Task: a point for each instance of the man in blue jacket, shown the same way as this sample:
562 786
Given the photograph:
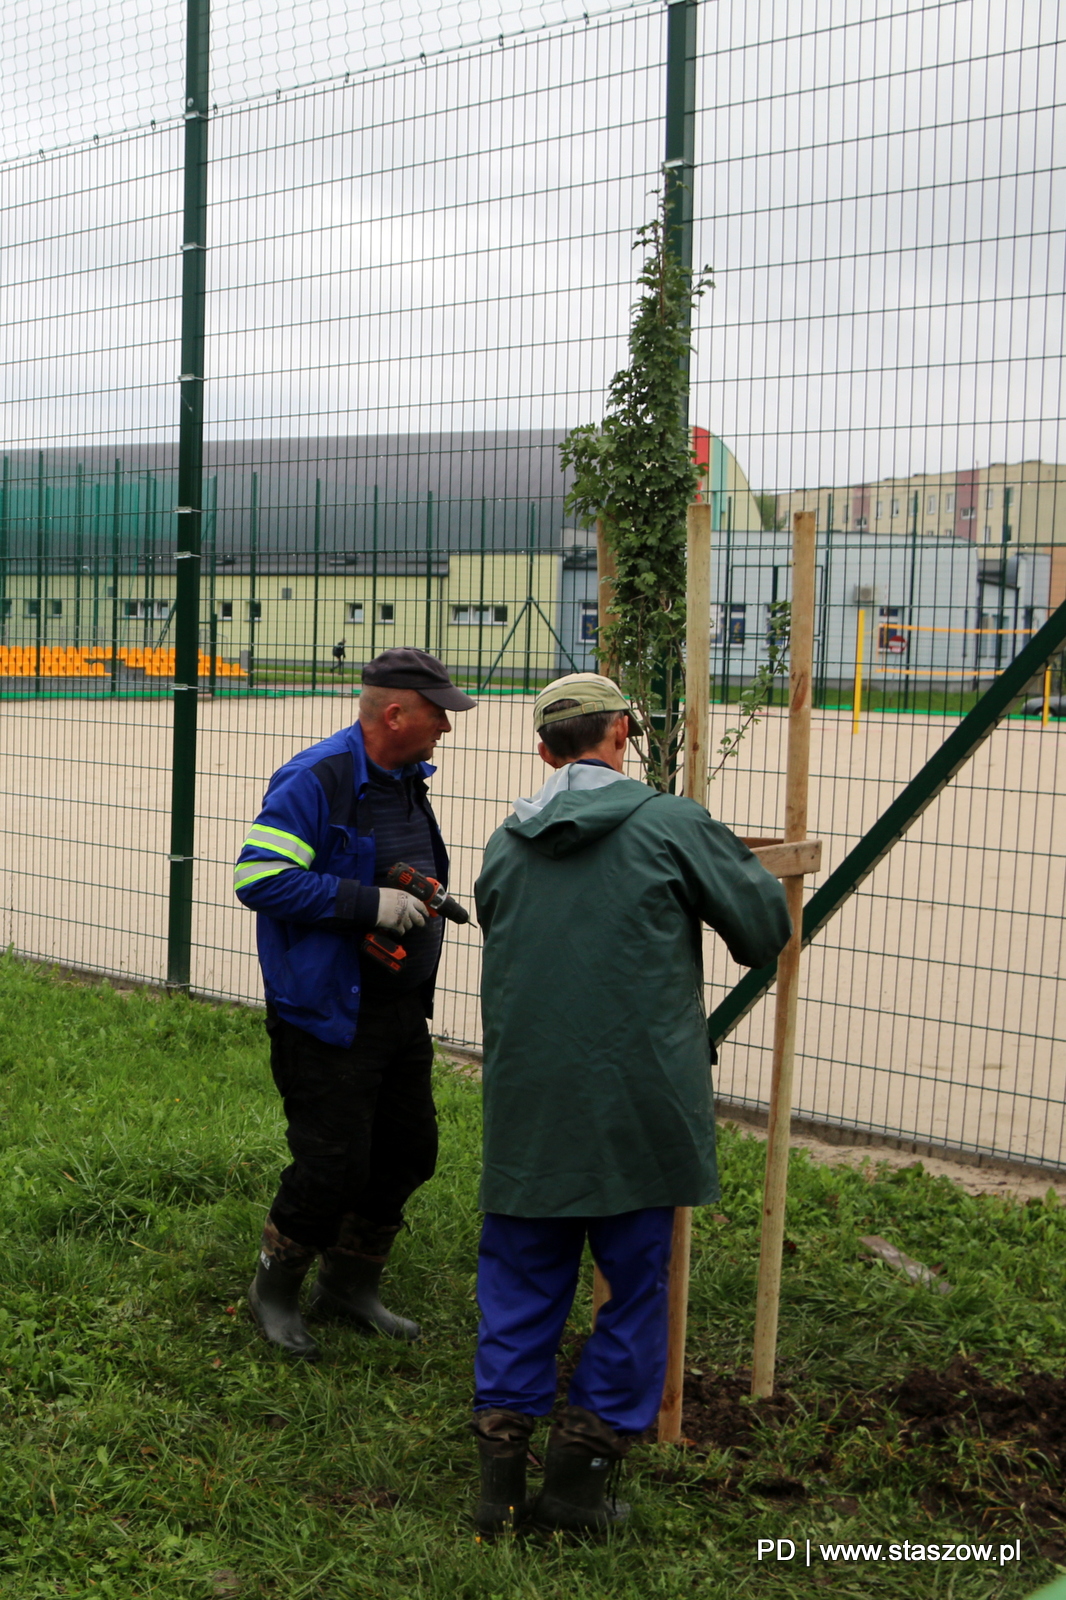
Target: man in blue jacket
350 1049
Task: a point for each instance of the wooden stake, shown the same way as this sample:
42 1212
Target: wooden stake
801 653
601 1292
697 735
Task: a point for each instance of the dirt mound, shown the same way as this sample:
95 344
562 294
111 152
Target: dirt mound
962 1400
1011 1477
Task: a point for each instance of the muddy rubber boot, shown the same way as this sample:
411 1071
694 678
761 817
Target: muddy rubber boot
583 1452
274 1293
346 1288
503 1444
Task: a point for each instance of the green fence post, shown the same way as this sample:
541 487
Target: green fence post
680 156
678 172
190 500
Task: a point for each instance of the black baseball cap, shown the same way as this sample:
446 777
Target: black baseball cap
416 669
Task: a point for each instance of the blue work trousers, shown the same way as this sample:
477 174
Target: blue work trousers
527 1274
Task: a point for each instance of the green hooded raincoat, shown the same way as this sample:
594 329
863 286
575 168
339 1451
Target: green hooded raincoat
597 1074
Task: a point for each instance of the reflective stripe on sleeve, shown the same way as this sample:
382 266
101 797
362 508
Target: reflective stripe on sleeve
281 844
246 872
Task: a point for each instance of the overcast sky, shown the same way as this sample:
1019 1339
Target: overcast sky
446 243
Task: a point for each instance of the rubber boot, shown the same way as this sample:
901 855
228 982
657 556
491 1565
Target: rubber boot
274 1293
583 1452
346 1288
503 1444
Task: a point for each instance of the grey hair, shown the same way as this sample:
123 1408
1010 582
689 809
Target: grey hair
575 735
374 697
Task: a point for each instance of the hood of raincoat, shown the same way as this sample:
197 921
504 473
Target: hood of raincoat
578 805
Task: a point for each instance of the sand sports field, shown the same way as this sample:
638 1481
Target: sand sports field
932 1006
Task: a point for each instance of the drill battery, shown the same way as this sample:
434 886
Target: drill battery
433 896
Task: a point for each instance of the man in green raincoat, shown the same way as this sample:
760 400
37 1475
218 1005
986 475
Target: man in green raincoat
598 1101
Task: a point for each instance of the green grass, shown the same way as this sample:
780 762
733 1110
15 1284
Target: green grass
154 1446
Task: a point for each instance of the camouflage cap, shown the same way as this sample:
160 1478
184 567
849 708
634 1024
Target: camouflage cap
590 693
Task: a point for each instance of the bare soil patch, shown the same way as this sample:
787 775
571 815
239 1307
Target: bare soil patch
992 1453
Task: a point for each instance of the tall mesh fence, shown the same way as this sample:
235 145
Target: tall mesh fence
420 269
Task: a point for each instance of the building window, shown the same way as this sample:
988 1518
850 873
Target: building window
895 507
949 502
255 610
879 509
473 616
5 609
967 513
158 610
930 504
286 594
386 611
990 499
52 608
225 611
738 624
891 637
988 533
862 522
355 611
590 620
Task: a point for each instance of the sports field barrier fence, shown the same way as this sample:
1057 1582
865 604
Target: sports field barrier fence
415 280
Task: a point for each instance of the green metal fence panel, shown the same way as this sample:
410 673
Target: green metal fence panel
418 277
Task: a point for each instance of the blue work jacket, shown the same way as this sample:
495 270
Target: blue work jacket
306 856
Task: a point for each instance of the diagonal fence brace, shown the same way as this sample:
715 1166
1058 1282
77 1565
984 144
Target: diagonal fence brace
958 748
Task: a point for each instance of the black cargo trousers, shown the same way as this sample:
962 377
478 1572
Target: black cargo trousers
362 1126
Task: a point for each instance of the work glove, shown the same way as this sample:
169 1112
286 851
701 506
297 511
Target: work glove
399 912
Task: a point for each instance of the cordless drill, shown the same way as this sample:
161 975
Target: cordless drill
432 895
